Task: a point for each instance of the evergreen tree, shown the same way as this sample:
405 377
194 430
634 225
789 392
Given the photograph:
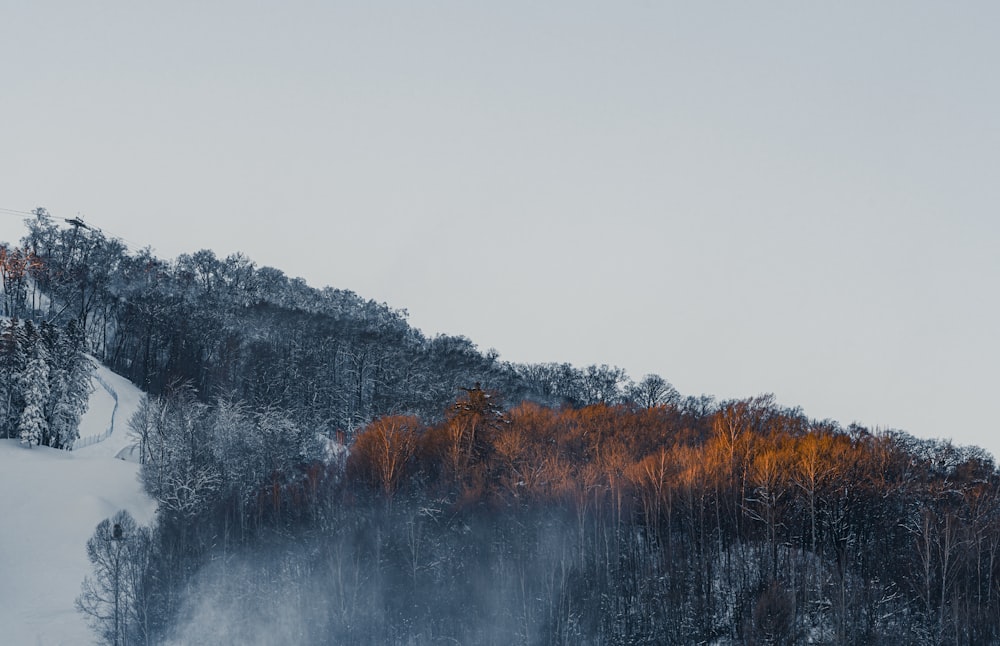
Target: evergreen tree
69 385
32 426
12 362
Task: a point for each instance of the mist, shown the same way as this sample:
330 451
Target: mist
409 574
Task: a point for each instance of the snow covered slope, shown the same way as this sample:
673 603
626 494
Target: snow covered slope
102 404
50 503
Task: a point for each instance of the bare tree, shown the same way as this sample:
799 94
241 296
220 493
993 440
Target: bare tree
115 597
652 391
385 447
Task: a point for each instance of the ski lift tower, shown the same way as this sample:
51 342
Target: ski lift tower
77 223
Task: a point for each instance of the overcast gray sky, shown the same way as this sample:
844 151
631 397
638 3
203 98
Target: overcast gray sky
742 197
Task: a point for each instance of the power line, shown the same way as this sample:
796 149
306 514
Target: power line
14 212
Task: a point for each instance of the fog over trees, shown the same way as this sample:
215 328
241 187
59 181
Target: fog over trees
326 474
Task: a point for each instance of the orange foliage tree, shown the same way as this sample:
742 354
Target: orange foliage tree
383 449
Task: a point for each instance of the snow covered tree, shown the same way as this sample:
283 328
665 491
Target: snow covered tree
33 429
179 471
144 423
12 362
69 384
237 449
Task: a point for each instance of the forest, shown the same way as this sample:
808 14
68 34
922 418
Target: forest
44 382
326 474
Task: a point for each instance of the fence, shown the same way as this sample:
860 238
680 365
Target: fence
100 437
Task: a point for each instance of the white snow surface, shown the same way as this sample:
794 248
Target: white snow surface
98 416
50 503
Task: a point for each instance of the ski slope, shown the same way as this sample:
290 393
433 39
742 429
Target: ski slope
51 501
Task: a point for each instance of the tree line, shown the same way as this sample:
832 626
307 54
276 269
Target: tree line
750 523
230 328
588 509
743 523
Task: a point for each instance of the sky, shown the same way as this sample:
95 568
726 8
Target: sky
783 197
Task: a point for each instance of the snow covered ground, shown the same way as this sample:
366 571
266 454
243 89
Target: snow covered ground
96 420
51 501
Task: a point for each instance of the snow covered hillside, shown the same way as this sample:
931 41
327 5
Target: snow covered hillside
52 502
